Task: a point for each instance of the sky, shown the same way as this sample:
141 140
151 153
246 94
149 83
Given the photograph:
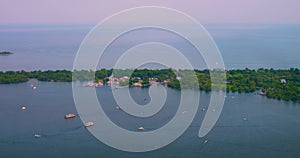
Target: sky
93 11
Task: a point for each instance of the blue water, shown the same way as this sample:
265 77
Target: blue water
241 45
272 128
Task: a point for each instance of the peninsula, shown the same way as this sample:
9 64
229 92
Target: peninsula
276 84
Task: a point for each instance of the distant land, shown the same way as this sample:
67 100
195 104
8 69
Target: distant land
276 84
6 53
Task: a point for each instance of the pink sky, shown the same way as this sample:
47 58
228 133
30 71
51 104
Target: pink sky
93 11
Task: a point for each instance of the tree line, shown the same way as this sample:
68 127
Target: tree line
277 84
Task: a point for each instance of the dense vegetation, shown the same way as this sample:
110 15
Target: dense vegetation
277 84
5 53
13 77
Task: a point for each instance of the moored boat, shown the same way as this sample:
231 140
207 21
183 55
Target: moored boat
88 124
141 128
69 116
37 135
205 141
262 93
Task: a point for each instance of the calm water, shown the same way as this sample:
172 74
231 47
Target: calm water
242 45
272 129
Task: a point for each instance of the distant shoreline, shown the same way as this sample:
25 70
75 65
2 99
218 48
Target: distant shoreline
3 53
277 84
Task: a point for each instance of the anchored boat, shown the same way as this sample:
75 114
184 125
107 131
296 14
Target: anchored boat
88 124
69 116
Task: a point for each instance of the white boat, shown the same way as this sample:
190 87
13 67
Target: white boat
23 108
141 128
88 124
37 136
205 141
69 116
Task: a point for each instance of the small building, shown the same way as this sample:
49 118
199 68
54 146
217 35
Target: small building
124 78
283 80
178 77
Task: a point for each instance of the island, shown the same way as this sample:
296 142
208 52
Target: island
277 84
6 53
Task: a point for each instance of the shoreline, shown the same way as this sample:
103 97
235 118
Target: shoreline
276 84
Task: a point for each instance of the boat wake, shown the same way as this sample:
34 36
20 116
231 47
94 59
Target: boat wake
62 132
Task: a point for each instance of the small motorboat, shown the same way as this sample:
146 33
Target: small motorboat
88 124
141 128
23 108
34 87
37 135
68 116
205 141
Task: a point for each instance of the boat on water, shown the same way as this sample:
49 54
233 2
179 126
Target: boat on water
141 128
88 124
205 141
37 135
23 108
68 116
